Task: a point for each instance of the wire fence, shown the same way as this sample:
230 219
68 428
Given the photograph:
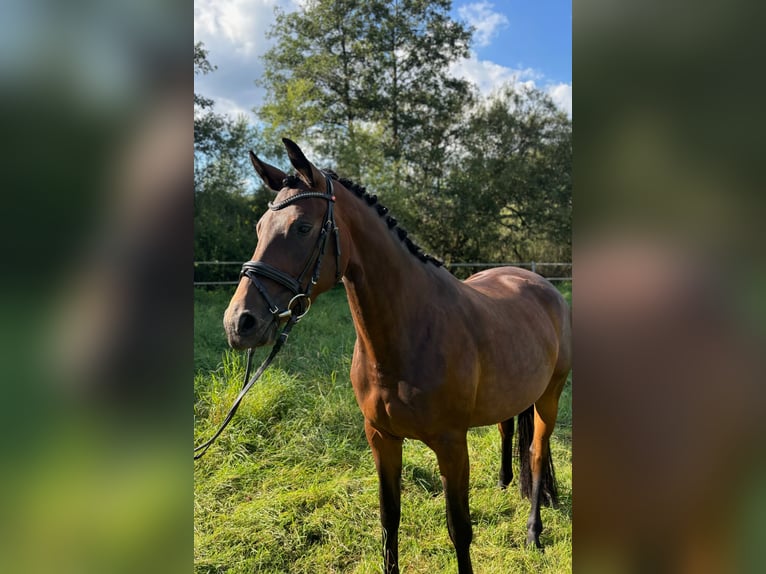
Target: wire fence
541 267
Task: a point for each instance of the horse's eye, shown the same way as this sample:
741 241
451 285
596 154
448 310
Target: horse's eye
304 228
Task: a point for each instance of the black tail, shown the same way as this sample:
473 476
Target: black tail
549 494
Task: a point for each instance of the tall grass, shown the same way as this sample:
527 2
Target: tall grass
290 486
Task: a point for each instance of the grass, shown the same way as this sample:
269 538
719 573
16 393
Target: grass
290 486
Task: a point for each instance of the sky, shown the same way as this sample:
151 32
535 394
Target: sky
525 41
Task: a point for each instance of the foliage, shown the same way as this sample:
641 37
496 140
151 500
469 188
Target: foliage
291 486
343 70
367 84
365 88
509 194
225 212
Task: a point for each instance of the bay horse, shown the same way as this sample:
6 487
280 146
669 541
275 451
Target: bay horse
434 355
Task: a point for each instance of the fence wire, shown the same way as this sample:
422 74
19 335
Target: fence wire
534 266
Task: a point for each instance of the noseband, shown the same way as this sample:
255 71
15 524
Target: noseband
253 269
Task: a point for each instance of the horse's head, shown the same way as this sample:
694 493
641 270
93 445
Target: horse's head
297 257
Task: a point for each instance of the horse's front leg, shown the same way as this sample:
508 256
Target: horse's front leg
387 451
452 454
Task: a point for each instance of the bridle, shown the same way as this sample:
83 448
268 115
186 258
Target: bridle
253 269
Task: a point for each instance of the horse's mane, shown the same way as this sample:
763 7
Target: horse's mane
383 212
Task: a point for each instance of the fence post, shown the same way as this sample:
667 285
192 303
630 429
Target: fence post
534 267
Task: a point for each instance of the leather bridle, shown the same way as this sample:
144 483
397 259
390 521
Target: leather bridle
253 269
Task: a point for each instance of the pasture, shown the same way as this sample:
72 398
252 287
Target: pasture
290 486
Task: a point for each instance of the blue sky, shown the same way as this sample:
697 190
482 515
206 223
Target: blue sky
520 41
528 34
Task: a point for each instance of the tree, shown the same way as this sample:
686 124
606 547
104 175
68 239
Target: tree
217 138
508 194
350 74
367 86
225 210
408 80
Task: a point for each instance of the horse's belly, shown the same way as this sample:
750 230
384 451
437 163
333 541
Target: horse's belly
497 402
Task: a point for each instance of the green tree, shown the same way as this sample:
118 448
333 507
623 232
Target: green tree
351 74
311 79
366 85
508 194
408 81
225 208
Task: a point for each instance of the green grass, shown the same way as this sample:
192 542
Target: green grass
290 486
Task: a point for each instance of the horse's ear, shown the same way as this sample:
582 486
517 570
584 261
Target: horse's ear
271 176
309 174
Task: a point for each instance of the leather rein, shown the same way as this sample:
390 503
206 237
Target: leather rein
301 298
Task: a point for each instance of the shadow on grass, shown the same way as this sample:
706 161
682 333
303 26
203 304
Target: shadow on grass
425 478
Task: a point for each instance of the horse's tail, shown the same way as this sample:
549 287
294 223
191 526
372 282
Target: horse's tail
548 488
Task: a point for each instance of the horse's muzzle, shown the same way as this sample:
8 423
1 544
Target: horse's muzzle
245 330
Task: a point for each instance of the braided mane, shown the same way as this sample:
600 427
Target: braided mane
372 200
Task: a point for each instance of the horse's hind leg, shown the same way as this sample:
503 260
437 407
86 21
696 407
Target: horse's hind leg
542 490
506 453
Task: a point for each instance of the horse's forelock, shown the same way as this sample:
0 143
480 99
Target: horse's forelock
291 181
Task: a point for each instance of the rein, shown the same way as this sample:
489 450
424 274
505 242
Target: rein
252 269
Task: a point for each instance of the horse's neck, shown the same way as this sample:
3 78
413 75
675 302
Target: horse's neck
387 286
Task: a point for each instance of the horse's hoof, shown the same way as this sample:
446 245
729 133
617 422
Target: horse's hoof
534 542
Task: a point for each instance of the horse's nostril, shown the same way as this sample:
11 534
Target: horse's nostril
246 323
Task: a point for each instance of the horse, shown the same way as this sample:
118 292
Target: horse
434 356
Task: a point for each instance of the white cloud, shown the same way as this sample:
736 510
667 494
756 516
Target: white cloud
231 108
484 19
561 94
234 33
488 76
240 23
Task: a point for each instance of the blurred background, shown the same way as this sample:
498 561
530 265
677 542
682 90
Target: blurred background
95 303
95 308
668 393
